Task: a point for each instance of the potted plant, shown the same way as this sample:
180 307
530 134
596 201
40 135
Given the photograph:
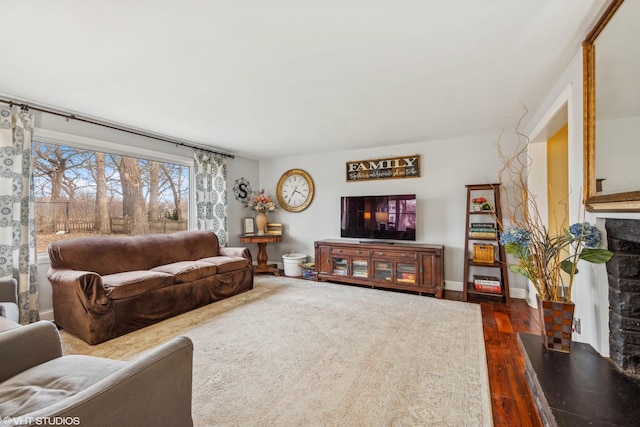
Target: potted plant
478 202
549 259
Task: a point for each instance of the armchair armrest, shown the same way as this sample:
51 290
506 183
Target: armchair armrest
153 390
236 251
86 285
28 346
8 290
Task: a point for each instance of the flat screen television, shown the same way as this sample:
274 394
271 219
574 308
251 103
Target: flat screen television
388 217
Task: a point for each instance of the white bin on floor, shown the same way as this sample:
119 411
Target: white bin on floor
293 264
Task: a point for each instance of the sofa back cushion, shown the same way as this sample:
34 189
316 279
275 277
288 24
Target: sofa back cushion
51 382
116 254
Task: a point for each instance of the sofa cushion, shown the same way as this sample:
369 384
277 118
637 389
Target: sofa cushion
10 311
53 381
116 254
227 263
132 283
187 271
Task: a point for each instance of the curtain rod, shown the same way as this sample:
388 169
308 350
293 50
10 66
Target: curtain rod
68 116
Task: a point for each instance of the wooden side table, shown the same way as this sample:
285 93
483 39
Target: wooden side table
262 240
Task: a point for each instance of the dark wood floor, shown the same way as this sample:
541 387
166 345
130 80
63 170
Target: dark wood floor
511 399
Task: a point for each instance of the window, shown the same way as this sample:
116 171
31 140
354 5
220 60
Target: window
79 192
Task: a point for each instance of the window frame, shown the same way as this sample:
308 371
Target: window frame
110 147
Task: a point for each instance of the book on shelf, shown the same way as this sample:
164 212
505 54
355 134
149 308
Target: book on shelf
486 283
340 269
274 228
483 229
485 280
410 277
482 234
483 225
487 288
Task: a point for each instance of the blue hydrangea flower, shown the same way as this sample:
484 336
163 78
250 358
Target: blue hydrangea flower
516 235
590 234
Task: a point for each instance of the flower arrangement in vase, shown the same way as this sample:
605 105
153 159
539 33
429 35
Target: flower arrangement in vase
480 204
542 257
262 204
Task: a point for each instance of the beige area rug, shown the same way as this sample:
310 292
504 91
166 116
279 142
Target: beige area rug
299 353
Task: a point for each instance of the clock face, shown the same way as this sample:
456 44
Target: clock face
295 190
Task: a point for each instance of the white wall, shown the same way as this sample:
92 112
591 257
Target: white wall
447 165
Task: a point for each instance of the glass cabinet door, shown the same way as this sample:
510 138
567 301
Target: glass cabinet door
406 273
340 266
382 270
360 268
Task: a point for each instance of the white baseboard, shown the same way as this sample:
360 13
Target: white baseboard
46 315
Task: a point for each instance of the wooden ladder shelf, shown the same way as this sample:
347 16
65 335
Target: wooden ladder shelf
482 249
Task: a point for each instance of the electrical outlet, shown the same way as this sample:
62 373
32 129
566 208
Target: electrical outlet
577 326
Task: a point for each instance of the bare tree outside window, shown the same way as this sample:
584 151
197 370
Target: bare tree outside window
83 193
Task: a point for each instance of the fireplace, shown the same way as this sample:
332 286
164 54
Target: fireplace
623 270
582 387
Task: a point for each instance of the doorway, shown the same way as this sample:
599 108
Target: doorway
549 172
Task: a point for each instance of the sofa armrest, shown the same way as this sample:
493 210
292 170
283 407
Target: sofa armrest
86 285
28 346
236 251
8 290
154 390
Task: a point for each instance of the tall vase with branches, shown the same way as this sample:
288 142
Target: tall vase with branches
541 254
548 258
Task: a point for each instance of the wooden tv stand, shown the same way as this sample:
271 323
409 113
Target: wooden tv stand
404 266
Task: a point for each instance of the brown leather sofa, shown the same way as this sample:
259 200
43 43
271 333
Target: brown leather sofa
104 287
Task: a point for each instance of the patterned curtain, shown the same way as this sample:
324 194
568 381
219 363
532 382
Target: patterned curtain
211 194
17 213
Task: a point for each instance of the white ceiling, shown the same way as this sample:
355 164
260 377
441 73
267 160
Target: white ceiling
264 78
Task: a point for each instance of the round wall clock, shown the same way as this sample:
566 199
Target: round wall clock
295 190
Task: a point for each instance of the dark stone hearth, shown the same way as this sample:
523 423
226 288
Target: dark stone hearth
580 388
626 323
623 229
627 303
625 351
624 285
624 246
625 265
623 239
627 363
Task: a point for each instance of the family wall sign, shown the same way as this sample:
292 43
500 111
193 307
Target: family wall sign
384 168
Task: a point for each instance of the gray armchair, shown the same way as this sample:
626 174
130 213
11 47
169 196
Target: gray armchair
9 299
38 385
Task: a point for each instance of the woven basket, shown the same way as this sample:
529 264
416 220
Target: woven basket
483 253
